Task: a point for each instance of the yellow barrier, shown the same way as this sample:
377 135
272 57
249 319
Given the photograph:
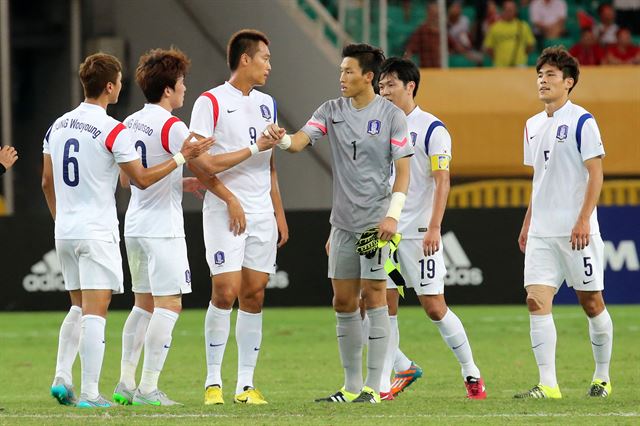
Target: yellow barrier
485 111
517 193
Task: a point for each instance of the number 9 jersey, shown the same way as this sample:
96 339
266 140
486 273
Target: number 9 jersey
85 146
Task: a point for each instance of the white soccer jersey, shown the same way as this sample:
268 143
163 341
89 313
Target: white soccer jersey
236 121
556 147
157 210
85 144
432 143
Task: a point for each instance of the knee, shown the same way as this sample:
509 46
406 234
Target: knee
344 304
224 298
538 302
592 307
434 306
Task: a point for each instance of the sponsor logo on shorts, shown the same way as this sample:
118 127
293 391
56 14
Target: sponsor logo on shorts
46 275
218 258
460 271
265 111
373 127
187 276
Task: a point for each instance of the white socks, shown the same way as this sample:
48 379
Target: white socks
249 338
350 344
216 333
91 353
601 334
452 331
378 337
394 345
133 336
156 347
68 342
543 343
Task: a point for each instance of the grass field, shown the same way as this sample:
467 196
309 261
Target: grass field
299 361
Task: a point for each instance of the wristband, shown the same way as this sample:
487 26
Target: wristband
285 142
254 149
179 159
396 205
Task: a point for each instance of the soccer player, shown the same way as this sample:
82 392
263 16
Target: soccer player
420 251
367 135
81 153
240 259
560 236
154 226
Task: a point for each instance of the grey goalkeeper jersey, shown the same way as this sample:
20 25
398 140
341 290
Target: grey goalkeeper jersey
364 144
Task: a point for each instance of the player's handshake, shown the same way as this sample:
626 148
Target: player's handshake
266 141
193 148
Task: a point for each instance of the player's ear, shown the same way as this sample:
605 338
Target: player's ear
568 83
411 86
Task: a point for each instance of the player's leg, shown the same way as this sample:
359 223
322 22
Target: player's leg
394 340
135 327
68 340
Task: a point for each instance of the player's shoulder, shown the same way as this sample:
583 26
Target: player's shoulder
536 119
578 112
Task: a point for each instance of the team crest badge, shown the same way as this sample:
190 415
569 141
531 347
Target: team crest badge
265 111
563 131
218 258
187 276
373 127
414 136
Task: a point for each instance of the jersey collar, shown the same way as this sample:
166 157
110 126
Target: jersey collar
234 91
91 107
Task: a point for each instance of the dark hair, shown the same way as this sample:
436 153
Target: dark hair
404 69
558 56
243 41
369 58
159 69
96 71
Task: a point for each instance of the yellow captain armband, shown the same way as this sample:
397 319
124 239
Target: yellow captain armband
440 162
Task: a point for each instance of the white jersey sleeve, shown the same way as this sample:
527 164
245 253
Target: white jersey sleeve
528 157
120 144
588 138
440 142
45 142
204 115
177 134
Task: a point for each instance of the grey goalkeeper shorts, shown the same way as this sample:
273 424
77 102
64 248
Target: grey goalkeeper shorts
345 263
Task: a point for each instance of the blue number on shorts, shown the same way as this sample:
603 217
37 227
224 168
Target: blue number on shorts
74 179
252 134
431 268
143 152
588 268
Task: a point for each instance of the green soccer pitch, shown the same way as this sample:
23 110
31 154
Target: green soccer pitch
299 362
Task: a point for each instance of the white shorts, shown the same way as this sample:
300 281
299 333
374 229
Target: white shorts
254 249
425 274
346 263
550 261
90 265
158 265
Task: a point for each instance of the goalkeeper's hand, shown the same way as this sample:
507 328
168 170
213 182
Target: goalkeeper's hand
387 228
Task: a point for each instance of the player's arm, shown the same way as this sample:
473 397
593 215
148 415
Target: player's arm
276 199
143 178
47 184
124 180
581 229
389 225
431 241
524 231
291 143
237 218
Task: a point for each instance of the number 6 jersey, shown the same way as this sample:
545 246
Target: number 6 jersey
85 146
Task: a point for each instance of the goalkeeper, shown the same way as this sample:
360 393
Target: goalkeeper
367 135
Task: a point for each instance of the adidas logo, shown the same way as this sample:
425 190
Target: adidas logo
459 268
46 275
278 280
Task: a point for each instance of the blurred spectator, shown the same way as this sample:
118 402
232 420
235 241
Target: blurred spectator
459 35
623 52
509 40
425 40
607 29
486 15
587 51
548 17
628 14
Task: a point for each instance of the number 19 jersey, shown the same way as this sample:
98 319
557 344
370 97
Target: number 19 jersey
85 146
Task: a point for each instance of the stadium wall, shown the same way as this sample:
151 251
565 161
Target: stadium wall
484 262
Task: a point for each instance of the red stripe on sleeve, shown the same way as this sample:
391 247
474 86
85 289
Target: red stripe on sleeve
164 135
111 138
401 143
216 108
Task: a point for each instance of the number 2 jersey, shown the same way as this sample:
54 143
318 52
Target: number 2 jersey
156 212
557 147
85 146
237 121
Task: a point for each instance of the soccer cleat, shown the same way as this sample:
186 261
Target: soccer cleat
600 389
475 388
368 395
386 396
63 392
122 395
403 379
213 395
99 402
341 396
540 392
251 396
157 398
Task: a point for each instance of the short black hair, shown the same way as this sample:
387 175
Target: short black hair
404 69
244 41
369 58
558 56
